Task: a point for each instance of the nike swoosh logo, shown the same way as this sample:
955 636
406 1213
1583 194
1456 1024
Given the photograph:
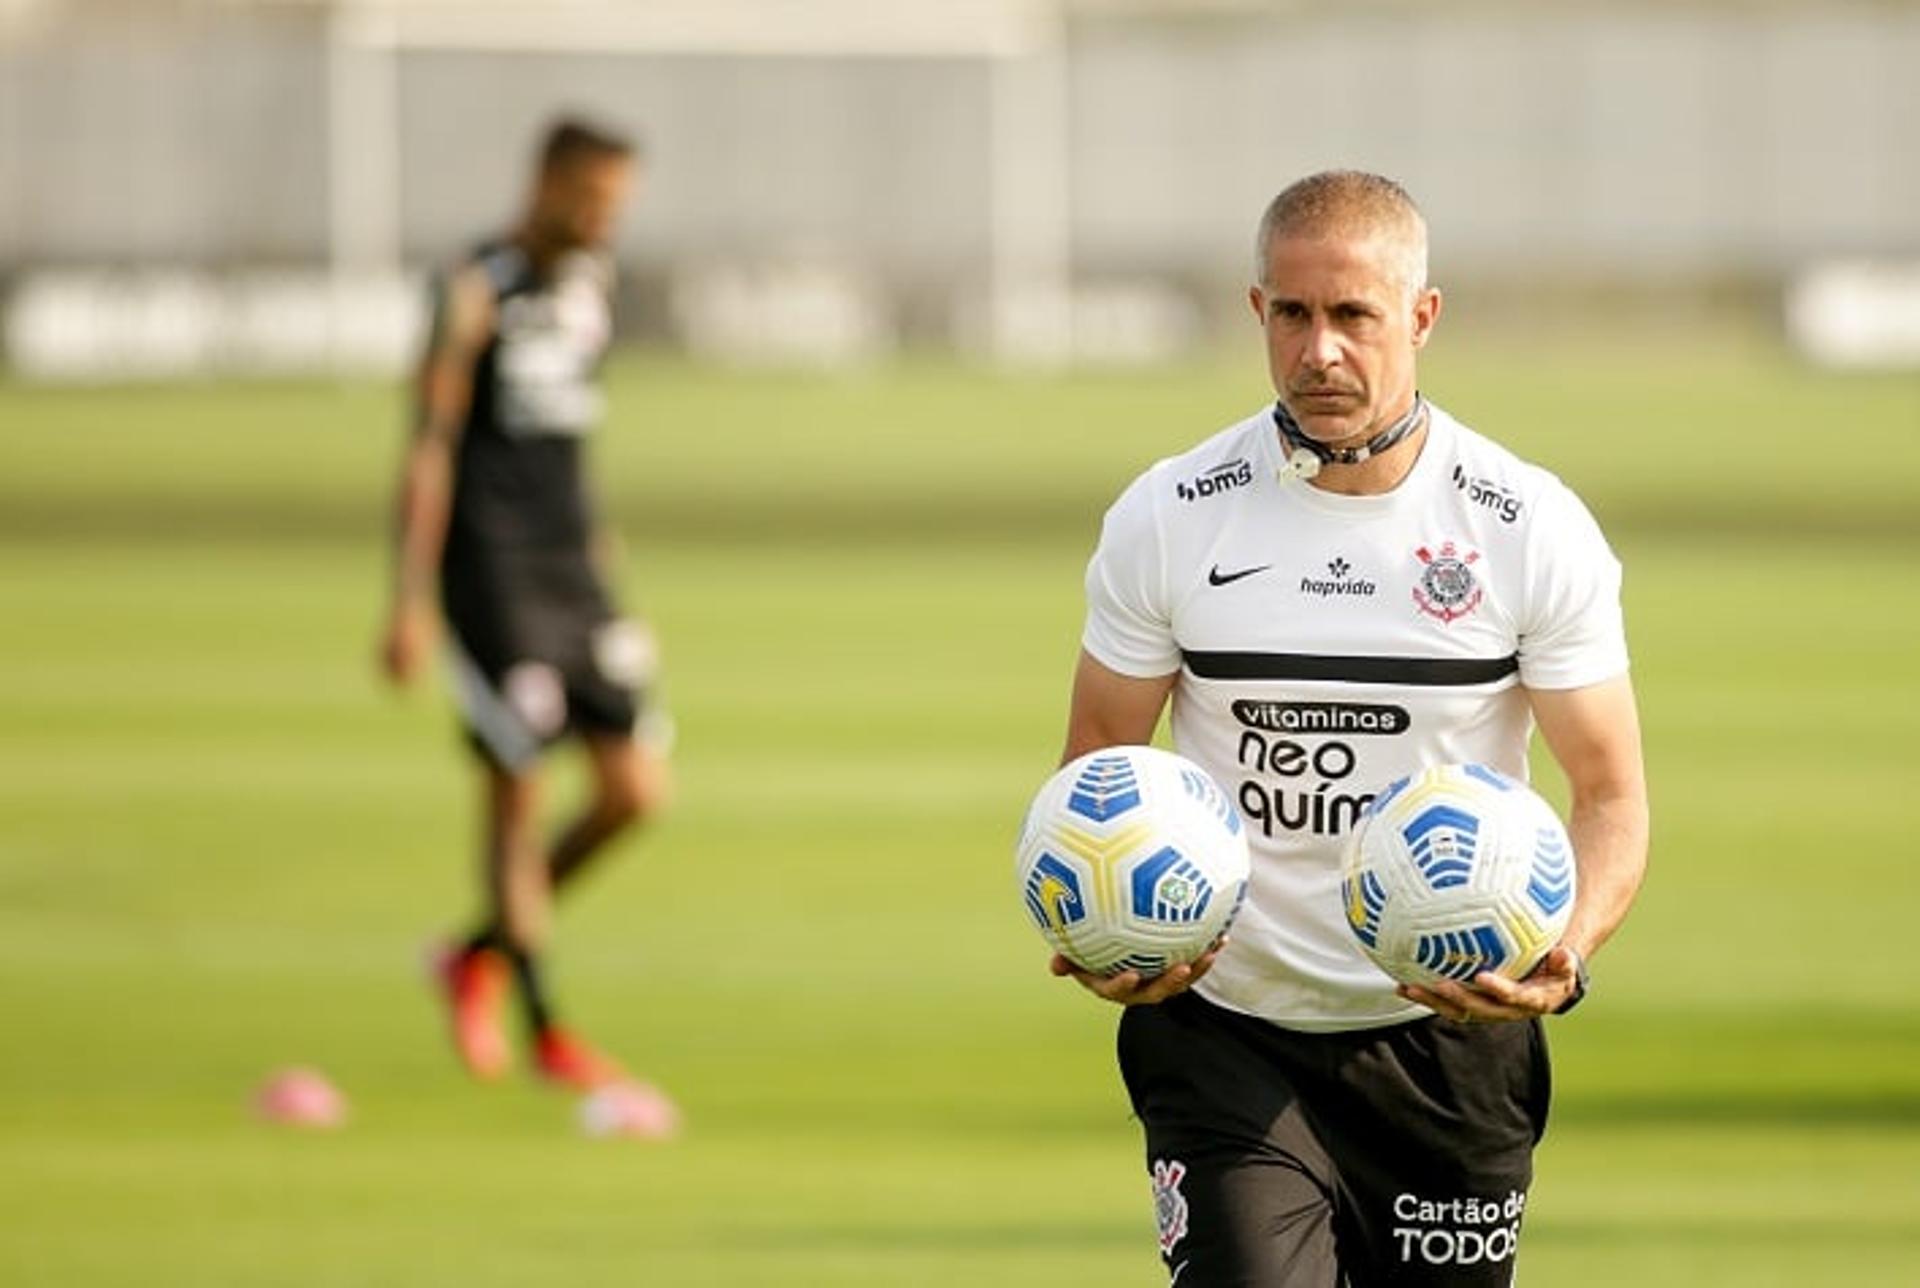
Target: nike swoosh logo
1217 578
1178 1270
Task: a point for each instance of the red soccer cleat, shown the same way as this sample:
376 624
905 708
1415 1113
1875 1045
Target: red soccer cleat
570 1061
474 983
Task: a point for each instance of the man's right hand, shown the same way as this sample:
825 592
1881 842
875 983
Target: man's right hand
403 648
1129 989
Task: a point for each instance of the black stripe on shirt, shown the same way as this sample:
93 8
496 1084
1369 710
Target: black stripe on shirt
1425 671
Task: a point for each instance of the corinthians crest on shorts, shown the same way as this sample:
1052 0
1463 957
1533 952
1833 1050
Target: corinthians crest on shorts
1169 1204
1447 588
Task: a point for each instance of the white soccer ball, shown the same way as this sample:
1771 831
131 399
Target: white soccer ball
1456 870
1131 858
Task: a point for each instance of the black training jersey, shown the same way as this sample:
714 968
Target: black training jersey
519 486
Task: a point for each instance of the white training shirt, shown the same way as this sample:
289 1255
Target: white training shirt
1328 644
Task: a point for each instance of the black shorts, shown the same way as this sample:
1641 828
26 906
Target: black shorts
1398 1155
535 658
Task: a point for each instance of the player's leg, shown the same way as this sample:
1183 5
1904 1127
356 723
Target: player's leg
519 893
1243 1194
520 881
510 721
1432 1126
631 780
503 953
628 784
510 707
610 704
519 885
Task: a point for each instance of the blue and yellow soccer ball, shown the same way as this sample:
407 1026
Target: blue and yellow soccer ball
1131 858
1456 870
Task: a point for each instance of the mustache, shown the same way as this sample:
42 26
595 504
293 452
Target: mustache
1322 388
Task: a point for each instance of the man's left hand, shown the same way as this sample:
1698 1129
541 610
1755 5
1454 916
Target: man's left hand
1493 999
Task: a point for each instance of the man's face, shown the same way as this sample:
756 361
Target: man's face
578 202
1342 332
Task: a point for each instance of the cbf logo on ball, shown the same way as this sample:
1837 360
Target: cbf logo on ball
1131 859
1447 588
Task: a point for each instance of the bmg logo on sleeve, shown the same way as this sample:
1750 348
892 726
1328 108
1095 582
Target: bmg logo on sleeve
1221 478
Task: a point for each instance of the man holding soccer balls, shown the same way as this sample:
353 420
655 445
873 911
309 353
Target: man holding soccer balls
1346 587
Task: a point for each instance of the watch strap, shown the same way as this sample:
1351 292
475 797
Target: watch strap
1581 980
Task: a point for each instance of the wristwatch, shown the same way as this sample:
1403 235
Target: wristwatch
1580 981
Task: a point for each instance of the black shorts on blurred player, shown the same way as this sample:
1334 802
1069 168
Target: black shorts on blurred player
1397 1155
541 654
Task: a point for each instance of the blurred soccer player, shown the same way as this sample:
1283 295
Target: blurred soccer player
493 512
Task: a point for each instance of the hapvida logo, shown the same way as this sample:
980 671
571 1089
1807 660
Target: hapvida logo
1338 581
1221 478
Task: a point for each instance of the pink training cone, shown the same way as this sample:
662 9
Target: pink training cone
301 1098
634 1110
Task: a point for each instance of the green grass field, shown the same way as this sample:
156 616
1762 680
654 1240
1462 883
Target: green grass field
224 848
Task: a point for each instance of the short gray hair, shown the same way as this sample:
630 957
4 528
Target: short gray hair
1347 203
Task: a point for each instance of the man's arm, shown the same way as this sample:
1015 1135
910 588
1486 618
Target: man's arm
1594 733
444 392
1114 710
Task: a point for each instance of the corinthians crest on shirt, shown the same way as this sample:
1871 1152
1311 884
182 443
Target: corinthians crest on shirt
1448 588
